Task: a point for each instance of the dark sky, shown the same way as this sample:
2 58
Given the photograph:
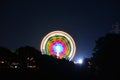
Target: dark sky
27 22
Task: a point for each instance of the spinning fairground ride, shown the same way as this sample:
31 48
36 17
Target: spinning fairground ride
59 44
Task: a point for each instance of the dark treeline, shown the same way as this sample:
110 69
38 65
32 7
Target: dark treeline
29 60
26 62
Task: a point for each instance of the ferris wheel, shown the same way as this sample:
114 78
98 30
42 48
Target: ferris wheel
59 44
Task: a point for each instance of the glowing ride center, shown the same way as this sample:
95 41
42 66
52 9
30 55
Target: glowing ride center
59 44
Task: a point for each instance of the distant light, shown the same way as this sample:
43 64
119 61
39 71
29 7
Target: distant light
15 66
2 62
79 61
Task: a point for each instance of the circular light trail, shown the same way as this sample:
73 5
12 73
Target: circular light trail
59 44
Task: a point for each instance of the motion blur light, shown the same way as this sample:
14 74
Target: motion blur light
58 44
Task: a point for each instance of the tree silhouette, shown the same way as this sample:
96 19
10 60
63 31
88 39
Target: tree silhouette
106 54
7 58
29 56
32 61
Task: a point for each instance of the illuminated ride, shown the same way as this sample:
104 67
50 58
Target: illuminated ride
59 44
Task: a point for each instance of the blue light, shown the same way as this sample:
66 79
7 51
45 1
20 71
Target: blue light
58 48
79 61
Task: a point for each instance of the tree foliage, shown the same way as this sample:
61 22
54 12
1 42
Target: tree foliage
106 53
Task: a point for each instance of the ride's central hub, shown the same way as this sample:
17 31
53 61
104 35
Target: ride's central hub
58 48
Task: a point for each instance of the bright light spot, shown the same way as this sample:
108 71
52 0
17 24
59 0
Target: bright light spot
79 61
58 48
15 66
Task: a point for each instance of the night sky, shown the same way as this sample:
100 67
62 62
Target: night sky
27 22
